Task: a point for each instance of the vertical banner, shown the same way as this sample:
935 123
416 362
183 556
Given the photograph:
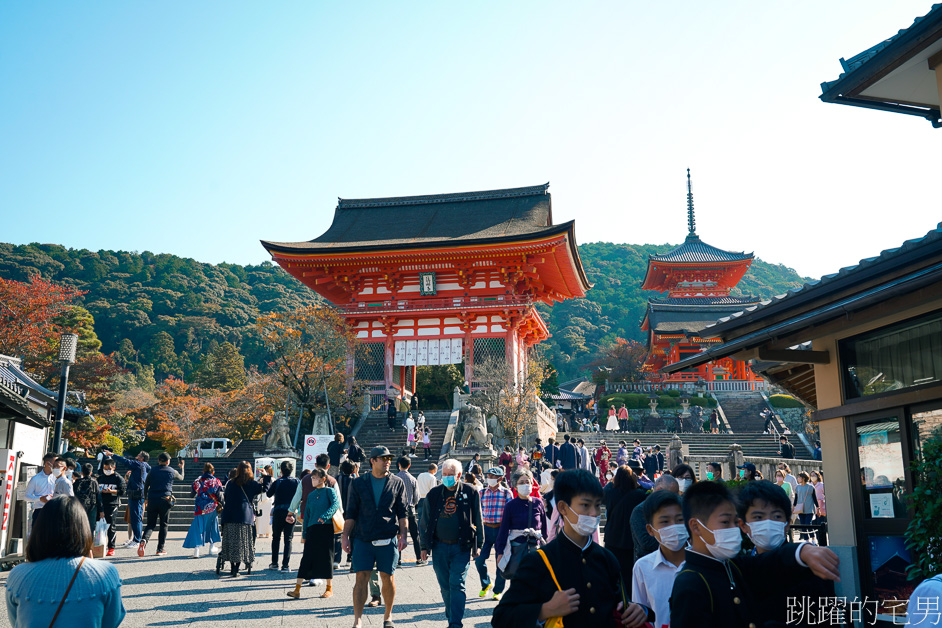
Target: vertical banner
444 351
399 355
456 351
410 353
433 352
9 480
422 357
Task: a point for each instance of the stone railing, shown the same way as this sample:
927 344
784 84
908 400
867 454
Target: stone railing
545 419
734 459
729 385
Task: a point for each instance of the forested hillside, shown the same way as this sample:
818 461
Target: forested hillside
169 312
616 304
163 310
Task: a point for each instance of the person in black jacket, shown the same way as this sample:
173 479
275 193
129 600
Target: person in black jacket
590 591
355 452
159 490
567 454
620 498
786 449
643 542
375 517
112 487
335 451
238 519
282 492
453 531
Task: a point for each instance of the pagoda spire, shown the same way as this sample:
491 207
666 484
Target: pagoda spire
691 222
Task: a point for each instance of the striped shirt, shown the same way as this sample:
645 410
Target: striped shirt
493 501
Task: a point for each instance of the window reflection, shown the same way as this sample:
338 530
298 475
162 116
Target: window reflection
882 471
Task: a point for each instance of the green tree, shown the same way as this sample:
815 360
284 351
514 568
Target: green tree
80 321
160 354
435 385
223 369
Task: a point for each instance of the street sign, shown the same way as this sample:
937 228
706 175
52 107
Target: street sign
314 445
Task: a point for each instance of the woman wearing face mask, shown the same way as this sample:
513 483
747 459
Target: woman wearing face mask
524 516
685 477
619 498
317 535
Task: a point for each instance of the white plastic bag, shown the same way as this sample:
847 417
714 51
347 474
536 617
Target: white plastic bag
101 532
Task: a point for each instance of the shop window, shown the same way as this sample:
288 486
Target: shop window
882 470
898 356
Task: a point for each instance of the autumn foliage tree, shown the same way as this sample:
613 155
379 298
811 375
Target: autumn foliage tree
309 349
621 360
29 318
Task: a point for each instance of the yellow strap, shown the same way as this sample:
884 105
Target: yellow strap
550 567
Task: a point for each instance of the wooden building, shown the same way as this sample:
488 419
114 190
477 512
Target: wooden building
440 279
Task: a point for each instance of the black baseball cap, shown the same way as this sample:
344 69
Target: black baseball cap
380 452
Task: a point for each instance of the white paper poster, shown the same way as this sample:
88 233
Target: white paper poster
314 445
881 505
410 353
422 357
433 352
444 352
399 356
455 351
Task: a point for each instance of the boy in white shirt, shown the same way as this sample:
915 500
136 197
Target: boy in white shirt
653 575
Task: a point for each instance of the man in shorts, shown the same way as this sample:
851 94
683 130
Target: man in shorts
375 531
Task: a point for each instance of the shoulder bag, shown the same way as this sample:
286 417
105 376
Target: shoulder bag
255 509
552 622
519 548
69 588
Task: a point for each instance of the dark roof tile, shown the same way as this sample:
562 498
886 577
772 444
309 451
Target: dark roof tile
695 250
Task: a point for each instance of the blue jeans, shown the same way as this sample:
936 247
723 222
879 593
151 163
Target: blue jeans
490 537
451 564
136 516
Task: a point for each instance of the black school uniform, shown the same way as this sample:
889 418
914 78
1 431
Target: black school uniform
592 571
710 593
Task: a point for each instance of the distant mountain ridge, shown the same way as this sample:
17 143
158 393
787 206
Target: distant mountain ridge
135 296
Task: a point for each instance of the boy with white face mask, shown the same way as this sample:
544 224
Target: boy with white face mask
571 577
719 587
654 573
764 511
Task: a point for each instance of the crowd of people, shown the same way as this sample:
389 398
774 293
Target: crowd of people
671 553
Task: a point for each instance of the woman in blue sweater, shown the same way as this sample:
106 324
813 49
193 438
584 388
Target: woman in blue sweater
317 535
38 591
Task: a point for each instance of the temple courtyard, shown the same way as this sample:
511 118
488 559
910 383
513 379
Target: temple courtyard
177 590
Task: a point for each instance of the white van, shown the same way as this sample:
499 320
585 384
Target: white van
206 448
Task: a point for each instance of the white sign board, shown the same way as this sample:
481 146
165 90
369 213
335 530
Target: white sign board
433 352
314 445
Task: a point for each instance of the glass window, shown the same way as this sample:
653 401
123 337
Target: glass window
893 357
924 424
882 470
889 560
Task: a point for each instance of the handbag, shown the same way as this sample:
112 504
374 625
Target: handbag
519 548
552 622
337 520
255 509
69 588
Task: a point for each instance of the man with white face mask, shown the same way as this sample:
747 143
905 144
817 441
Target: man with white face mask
494 498
65 467
112 487
654 573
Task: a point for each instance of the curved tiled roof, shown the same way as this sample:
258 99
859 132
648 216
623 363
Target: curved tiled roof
695 250
701 301
421 221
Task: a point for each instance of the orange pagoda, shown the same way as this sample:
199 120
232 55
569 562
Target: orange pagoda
697 279
440 279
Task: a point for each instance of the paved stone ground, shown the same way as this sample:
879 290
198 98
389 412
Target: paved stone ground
177 590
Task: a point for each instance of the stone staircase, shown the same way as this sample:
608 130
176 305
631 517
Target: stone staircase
753 444
375 432
742 410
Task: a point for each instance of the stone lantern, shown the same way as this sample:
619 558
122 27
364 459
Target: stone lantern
652 403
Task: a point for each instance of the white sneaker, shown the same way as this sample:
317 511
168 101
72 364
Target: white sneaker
214 549
196 553
131 543
315 583
336 565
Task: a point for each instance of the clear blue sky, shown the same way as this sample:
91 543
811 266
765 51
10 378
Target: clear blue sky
198 128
